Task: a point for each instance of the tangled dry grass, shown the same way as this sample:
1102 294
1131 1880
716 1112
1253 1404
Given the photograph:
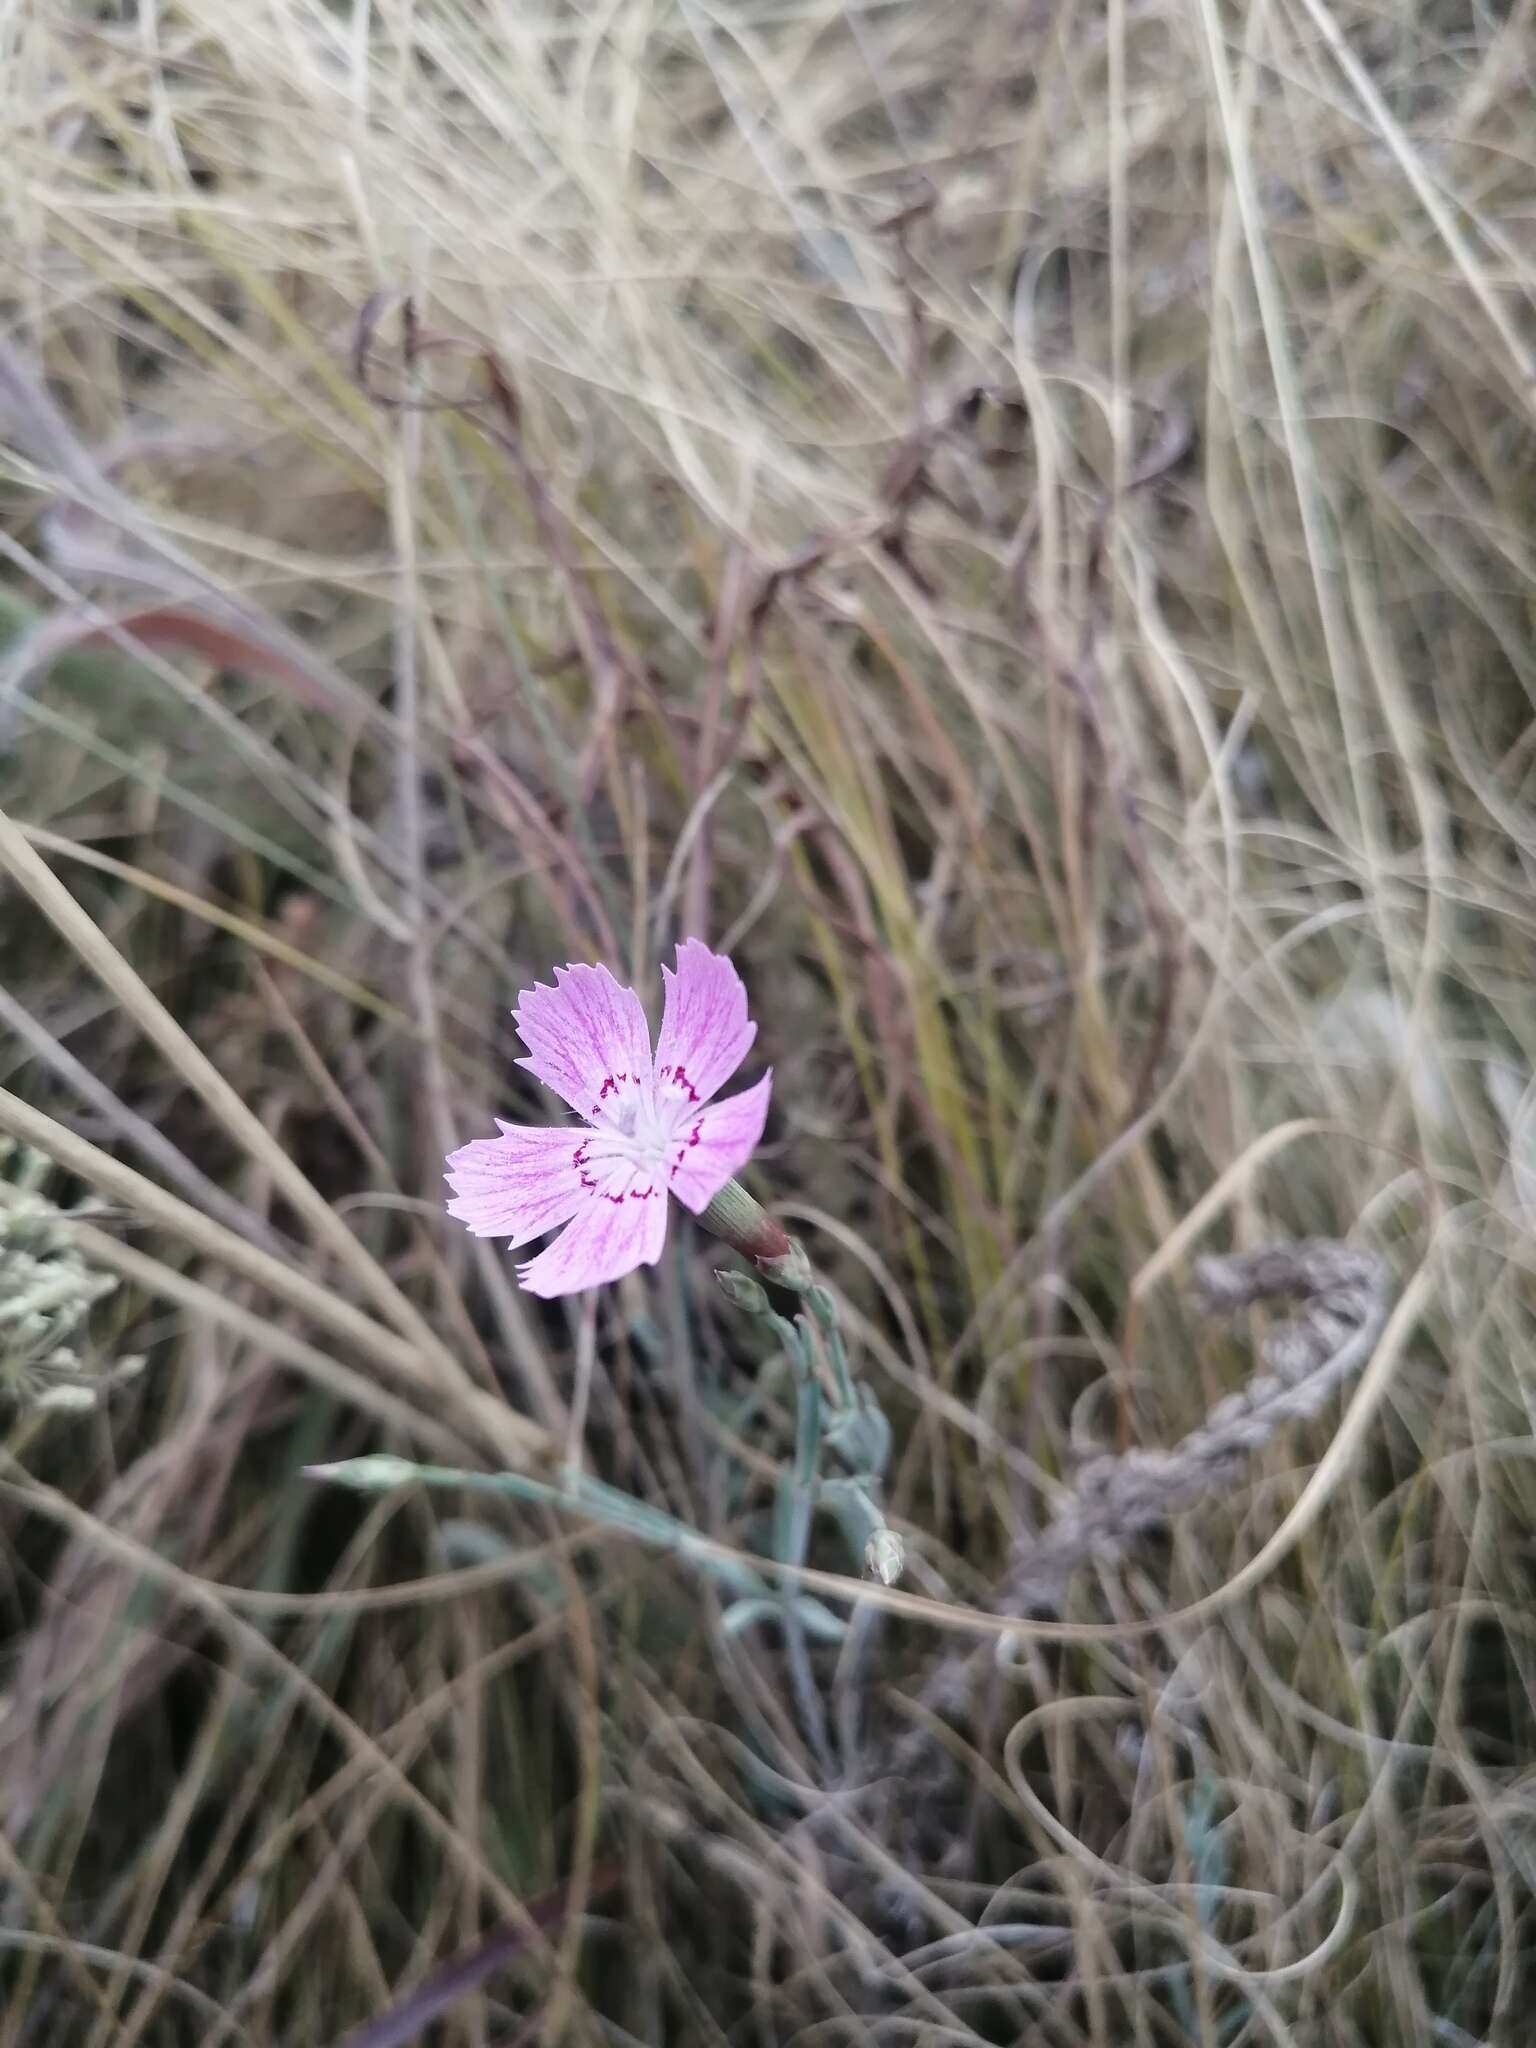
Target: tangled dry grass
1016 521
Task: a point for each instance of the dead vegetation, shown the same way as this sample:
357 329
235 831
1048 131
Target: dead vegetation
1015 521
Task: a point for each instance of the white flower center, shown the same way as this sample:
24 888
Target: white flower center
647 1126
644 1125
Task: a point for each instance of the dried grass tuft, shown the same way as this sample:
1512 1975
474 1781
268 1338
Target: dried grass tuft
1017 521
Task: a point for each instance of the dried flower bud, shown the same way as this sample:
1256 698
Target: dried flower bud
47 1293
67 1397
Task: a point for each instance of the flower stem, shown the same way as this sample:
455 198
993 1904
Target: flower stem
858 1434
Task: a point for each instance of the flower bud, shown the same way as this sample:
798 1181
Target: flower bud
792 1269
743 1292
745 1224
884 1557
377 1474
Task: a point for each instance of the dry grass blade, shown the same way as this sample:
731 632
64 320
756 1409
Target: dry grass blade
458 1979
160 1282
27 869
245 929
1018 522
511 1435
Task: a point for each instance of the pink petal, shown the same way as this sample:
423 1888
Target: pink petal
717 1143
704 1029
518 1185
587 1038
621 1225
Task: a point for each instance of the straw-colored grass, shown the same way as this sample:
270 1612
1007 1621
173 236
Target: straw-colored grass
1016 520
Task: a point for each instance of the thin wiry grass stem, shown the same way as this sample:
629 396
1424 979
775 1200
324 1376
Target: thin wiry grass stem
27 869
511 1434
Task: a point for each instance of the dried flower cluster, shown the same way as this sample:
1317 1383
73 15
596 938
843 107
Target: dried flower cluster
1340 1295
46 1293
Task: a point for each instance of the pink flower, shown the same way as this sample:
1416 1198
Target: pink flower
649 1126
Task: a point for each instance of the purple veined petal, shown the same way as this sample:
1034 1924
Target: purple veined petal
705 1032
621 1224
716 1143
587 1038
519 1185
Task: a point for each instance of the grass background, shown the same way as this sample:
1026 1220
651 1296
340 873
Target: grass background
1017 521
